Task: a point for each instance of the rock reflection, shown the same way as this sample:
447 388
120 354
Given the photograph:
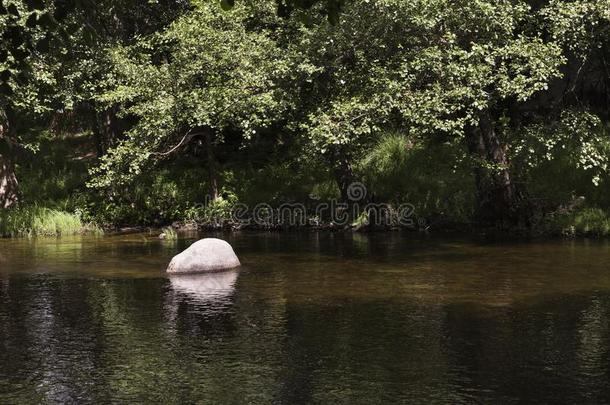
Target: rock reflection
201 305
209 287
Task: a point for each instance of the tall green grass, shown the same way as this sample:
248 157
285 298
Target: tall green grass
433 177
585 222
169 234
33 220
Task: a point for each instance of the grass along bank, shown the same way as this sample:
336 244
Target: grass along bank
584 222
30 221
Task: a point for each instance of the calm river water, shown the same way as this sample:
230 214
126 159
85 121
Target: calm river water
309 318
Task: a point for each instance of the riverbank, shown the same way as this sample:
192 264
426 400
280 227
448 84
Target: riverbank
32 221
587 223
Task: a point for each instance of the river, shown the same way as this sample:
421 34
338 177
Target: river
330 318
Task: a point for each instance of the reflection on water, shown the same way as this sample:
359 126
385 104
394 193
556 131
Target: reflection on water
314 318
206 287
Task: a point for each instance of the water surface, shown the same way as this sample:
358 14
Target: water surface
309 318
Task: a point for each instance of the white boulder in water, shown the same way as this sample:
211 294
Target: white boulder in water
209 254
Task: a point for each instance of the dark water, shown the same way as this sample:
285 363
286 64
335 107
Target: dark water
328 318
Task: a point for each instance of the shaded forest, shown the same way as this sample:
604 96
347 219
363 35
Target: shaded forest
481 114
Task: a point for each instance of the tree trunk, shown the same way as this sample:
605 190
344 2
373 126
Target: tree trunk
344 176
107 131
212 166
496 196
9 187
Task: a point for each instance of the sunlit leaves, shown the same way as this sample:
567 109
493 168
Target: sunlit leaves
580 25
207 70
426 66
578 137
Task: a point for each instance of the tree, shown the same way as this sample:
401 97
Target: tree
582 28
9 187
348 82
82 60
52 63
435 69
24 28
209 72
563 132
478 61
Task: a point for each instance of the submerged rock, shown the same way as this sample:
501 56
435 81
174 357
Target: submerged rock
205 255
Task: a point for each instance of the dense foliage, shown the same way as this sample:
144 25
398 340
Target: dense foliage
479 111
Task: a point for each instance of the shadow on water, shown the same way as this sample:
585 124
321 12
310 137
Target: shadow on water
309 318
